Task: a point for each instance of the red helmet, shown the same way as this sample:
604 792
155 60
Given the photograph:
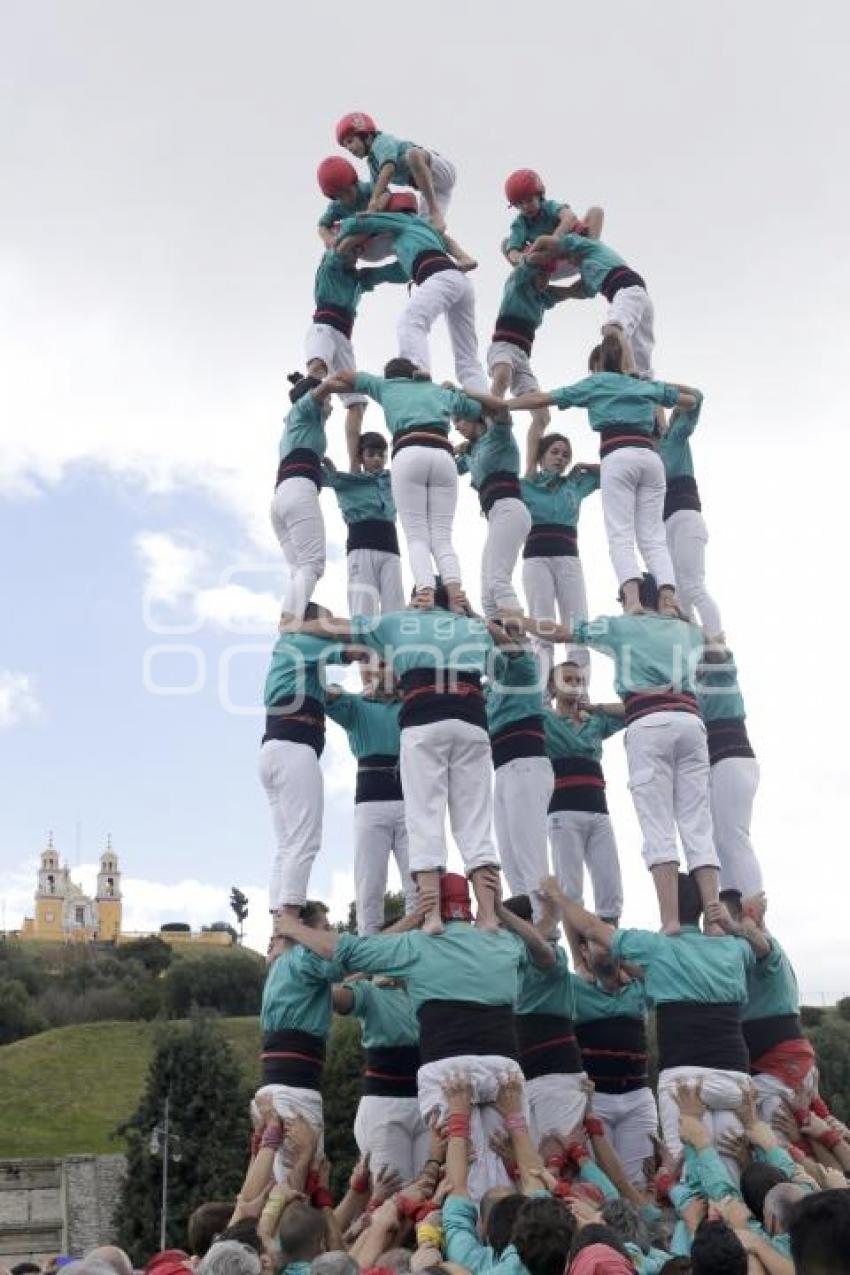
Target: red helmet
455 903
354 122
334 175
523 184
402 201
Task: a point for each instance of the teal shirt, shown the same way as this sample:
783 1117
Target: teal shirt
296 1268
523 298
339 283
595 259
461 1242
461 964
337 211
593 1001
362 496
675 444
297 993
495 452
566 738
718 691
304 426
385 1015
426 639
525 230
612 398
371 724
772 989
547 991
298 667
408 403
411 234
515 690
650 652
556 498
386 149
690 966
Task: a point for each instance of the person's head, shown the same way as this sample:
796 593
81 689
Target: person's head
627 1221
471 430
732 899
314 913
608 356
208 1220
554 453
315 611
500 1222
455 901
676 1266
438 602
113 1257
520 905
396 1260
301 1233
301 385
779 1205
356 132
716 1250
755 908
690 900
402 201
372 451
596 1250
400 369
757 1179
524 190
542 1235
230 1257
820 1233
336 1262
647 592
337 178
568 683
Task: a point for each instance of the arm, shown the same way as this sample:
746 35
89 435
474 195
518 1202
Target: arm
379 190
538 949
371 276
759 1246
718 914
536 430
547 629
585 923
322 942
568 292
327 235
328 627
566 220
377 1237
458 1095
509 1104
356 1197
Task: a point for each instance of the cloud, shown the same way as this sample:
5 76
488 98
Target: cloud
18 700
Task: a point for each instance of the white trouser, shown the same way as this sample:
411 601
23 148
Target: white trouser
733 784
633 312
289 1101
721 1093
292 778
447 764
586 837
773 1092
448 292
556 1103
668 778
508 524
522 790
630 1120
443 178
523 380
687 536
633 486
555 582
424 487
393 1133
379 831
299 526
374 582
485 1073
336 352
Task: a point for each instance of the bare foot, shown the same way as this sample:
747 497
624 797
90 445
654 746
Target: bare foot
714 931
486 922
634 609
432 924
672 927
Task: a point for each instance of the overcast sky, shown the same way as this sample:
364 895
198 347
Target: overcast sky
157 251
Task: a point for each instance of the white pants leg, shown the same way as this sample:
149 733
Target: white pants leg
392 1131
571 597
733 783
449 293
556 1103
424 488
379 831
668 778
630 1120
721 1093
484 1072
290 1101
298 523
446 765
633 486
633 312
292 778
336 352
538 584
554 589
522 790
508 524
687 536
443 178
374 582
582 838
390 586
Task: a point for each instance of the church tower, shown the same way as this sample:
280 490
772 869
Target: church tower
108 897
50 895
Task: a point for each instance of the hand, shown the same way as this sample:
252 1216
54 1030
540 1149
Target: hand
385 1216
491 879
688 1099
443 1191
736 1147
438 1140
747 1109
834 1180
717 913
254 1207
500 1143
693 1131
340 382
551 890
457 1090
585 1214
462 449
329 465
387 1183
784 1124
323 1171
733 1210
262 1109
510 1095
361 1175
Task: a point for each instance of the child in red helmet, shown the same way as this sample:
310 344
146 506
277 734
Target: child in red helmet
538 215
402 163
337 178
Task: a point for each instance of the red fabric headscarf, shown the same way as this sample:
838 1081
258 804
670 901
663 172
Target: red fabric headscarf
599 1259
455 903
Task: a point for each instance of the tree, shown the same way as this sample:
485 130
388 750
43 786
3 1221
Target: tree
153 952
195 1068
17 1016
229 982
393 911
340 1095
239 906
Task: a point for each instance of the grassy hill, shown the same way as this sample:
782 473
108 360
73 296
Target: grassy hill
63 1092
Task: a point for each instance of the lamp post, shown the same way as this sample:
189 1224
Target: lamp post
166 1144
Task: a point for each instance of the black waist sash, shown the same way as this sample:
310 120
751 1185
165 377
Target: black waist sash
378 778
299 719
435 695
301 462
522 738
696 1035
641 703
422 436
372 533
551 540
614 436
727 737
617 278
762 1034
390 1072
615 1053
291 1057
682 493
501 485
547 1044
579 785
450 1029
515 331
334 316
430 262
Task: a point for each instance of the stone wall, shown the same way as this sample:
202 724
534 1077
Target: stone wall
57 1206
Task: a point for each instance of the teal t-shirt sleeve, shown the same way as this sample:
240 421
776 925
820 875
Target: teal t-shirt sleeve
578 395
463 406
328 217
382 954
368 631
714 1176
667 395
385 150
365 383
576 245
313 968
611 724
638 946
342 709
781 1160
361 991
462 463
460 1234
600 634
392 272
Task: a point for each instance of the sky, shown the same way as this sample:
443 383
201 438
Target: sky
157 252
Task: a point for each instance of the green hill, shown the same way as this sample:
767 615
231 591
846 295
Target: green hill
63 1092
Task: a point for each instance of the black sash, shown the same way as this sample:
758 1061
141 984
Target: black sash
378 779
299 719
449 1029
390 1072
372 533
727 737
618 278
691 1034
432 695
551 540
682 493
615 1053
334 316
301 462
523 738
547 1044
291 1057
579 785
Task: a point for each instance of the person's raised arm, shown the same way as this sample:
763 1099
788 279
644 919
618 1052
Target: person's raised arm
379 190
575 916
509 1104
325 627
567 220
539 950
547 629
457 1092
718 914
567 292
354 1202
322 942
